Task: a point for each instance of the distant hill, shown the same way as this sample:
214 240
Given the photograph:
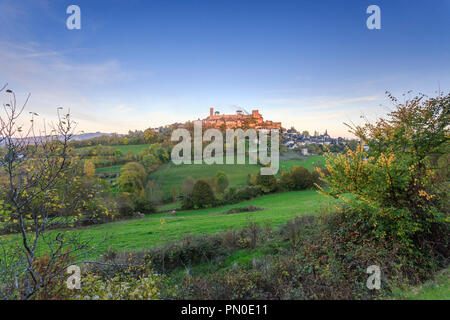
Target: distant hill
79 137
86 136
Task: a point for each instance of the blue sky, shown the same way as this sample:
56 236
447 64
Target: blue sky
136 64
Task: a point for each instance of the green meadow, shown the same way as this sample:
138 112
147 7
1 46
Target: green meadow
136 148
170 175
156 229
137 234
111 169
309 163
437 288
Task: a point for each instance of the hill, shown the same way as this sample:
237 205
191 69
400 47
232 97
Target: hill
170 175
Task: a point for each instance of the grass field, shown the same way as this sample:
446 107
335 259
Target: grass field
170 175
169 206
437 288
309 163
111 169
137 234
136 148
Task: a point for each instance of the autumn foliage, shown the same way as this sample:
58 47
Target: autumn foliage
395 185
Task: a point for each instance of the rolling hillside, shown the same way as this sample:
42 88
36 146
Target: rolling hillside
138 234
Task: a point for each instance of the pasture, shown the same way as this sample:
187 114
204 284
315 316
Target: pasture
169 175
153 230
110 169
137 234
136 148
308 162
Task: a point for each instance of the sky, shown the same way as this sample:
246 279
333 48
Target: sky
136 64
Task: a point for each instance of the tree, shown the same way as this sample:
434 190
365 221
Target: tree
150 136
153 156
90 201
150 161
39 171
89 169
305 133
132 178
397 190
159 151
202 194
130 155
300 178
221 181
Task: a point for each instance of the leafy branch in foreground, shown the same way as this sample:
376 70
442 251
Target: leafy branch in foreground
37 172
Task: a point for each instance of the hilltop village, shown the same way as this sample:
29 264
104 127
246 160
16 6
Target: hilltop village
293 139
241 119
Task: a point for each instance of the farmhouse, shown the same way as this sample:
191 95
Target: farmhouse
239 120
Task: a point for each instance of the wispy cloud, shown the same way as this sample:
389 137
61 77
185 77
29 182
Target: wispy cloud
317 103
55 80
121 109
35 66
9 11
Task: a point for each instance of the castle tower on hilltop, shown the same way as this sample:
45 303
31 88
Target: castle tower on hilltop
239 120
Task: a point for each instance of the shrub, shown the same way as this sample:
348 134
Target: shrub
144 205
325 259
268 183
221 181
234 195
247 193
187 252
96 287
230 196
301 178
316 179
253 232
202 194
251 179
187 203
395 191
298 178
125 208
249 208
